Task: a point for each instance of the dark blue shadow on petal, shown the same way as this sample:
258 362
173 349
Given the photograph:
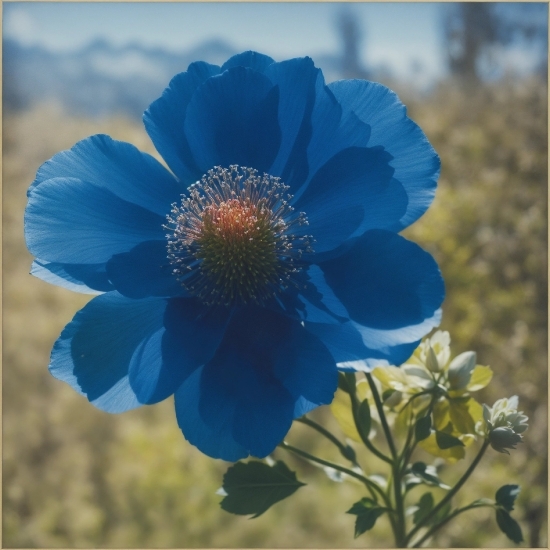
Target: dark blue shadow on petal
164 120
351 186
385 281
232 119
216 443
188 339
296 79
85 278
254 60
144 271
265 364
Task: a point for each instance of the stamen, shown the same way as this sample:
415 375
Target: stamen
233 237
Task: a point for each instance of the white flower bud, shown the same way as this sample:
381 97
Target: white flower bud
504 438
504 424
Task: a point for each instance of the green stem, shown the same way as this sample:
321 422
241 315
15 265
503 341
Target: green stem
323 431
408 451
382 415
452 492
400 528
438 526
371 486
363 436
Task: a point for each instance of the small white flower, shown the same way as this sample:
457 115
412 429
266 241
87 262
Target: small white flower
460 370
504 424
434 352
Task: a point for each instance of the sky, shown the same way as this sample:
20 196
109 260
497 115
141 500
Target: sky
397 35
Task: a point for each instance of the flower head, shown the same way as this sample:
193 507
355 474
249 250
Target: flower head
504 424
267 255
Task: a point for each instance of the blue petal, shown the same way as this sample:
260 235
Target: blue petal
216 443
372 304
68 220
190 337
352 192
118 167
333 130
85 278
232 119
266 370
415 161
164 120
296 79
95 350
386 282
144 271
254 60
356 347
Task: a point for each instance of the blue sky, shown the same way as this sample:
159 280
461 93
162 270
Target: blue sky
395 34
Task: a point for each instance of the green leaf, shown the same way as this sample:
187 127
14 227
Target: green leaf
460 415
367 512
441 514
446 441
428 475
506 496
386 394
509 526
422 428
424 507
349 453
347 381
363 417
253 487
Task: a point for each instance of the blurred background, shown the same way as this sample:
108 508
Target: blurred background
474 77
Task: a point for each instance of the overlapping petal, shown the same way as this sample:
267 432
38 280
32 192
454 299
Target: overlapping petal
232 119
165 118
374 302
95 350
68 220
117 167
266 369
416 163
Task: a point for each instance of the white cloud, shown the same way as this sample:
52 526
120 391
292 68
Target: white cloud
20 26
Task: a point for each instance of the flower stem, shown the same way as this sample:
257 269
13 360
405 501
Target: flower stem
436 527
323 431
400 527
364 437
371 485
452 492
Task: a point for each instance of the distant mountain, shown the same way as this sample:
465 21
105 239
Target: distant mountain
102 79
99 79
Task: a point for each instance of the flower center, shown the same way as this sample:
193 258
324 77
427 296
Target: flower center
234 238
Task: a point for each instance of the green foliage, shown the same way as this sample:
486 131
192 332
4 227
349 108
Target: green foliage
253 487
422 428
506 496
427 474
424 507
367 512
446 441
509 526
364 419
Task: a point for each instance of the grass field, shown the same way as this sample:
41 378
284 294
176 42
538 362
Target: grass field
77 477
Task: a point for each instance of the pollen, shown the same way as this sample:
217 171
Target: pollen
235 239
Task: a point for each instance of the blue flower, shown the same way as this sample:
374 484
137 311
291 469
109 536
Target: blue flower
266 259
